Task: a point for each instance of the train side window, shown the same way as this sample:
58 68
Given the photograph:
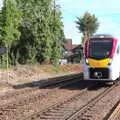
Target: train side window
118 50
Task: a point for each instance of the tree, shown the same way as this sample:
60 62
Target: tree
58 35
87 25
11 18
35 40
44 28
28 41
31 30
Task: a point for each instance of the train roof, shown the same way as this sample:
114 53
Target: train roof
102 36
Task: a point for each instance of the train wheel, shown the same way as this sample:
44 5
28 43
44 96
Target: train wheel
117 82
114 82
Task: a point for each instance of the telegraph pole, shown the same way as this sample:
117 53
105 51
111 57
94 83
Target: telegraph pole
54 6
54 12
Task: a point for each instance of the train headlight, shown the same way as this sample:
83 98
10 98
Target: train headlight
86 61
110 61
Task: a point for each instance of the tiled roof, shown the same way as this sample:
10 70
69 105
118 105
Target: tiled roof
68 45
74 46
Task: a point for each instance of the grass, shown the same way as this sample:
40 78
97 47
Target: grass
37 68
53 69
21 74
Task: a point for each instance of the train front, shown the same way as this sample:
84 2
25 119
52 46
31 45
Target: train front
100 61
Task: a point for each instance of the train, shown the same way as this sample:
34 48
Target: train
101 61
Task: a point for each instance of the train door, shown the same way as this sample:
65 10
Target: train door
117 62
118 55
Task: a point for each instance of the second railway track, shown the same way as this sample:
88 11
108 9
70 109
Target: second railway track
67 108
50 86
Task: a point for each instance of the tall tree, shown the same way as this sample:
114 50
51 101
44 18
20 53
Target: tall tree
44 29
32 30
58 34
87 25
28 41
37 41
11 19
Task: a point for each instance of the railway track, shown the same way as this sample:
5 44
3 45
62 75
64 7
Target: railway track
83 113
55 84
101 107
114 113
69 108
35 95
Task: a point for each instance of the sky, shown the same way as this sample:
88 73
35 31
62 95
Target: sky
107 12
1 3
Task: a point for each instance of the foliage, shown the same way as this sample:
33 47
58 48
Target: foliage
87 25
32 31
58 35
11 17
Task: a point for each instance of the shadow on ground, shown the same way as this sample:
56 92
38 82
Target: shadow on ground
89 85
45 82
79 85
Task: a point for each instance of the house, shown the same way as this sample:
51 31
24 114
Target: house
73 52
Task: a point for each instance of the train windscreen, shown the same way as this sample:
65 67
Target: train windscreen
100 48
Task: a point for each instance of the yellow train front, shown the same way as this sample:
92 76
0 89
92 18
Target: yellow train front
101 60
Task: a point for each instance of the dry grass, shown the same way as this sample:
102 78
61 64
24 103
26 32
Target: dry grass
27 73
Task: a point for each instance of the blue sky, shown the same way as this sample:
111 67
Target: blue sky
1 3
107 12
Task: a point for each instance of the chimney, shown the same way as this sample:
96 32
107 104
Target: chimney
68 44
